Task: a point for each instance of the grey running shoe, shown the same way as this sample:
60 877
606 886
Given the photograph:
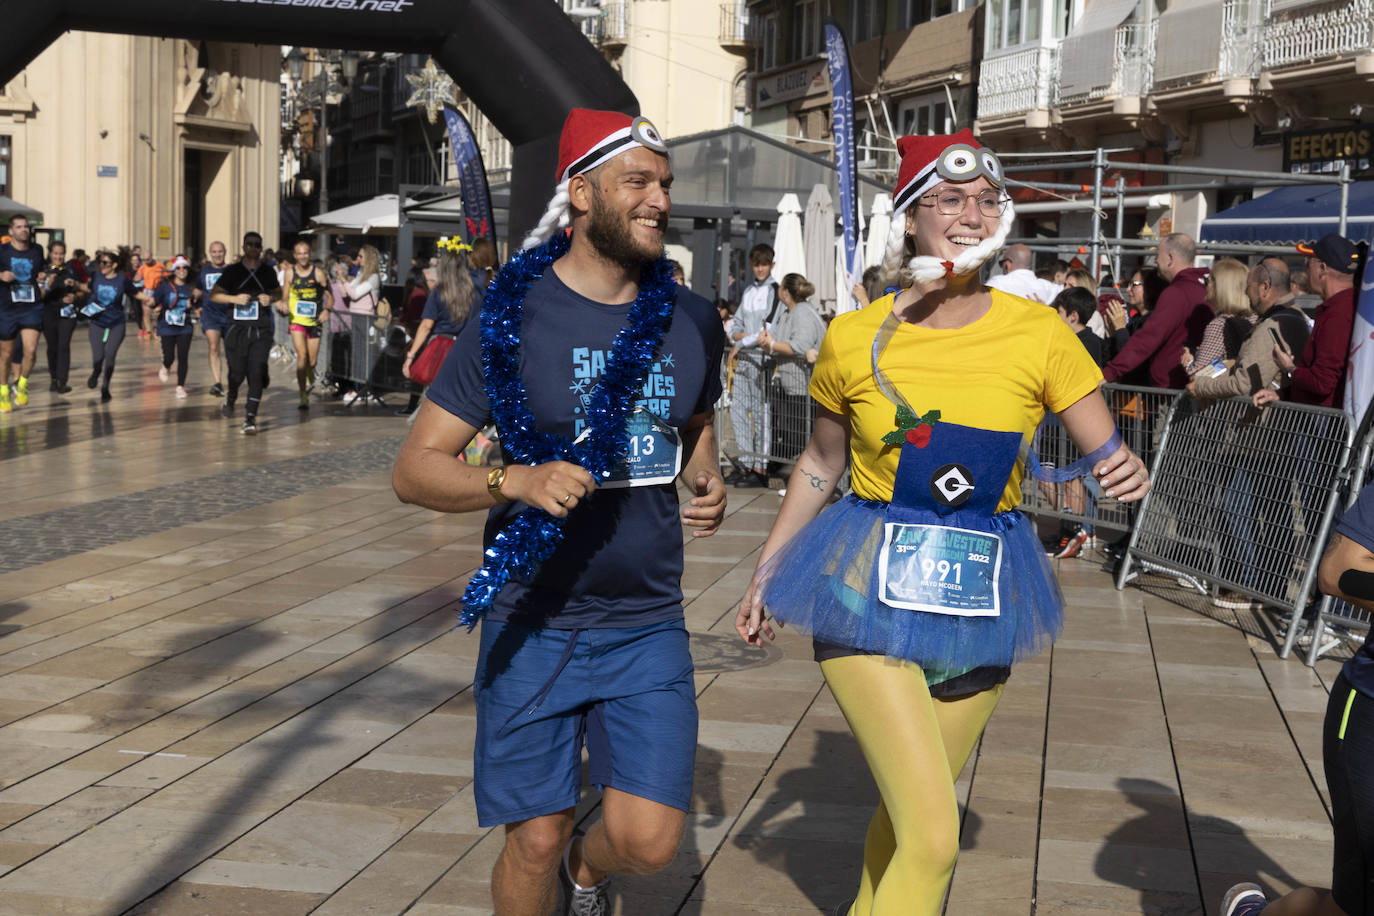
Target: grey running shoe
250 427
582 901
1243 900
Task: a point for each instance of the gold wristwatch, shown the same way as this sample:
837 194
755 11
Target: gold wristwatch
496 477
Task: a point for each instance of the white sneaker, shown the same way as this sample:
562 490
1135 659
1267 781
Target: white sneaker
181 393
162 375
350 397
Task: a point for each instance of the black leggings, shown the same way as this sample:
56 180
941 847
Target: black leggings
178 346
57 331
1348 754
247 349
105 344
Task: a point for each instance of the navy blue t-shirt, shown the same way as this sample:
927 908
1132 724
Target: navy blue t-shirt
205 281
22 293
108 294
620 562
1358 525
437 312
173 300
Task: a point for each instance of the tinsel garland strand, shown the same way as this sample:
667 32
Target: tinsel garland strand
531 538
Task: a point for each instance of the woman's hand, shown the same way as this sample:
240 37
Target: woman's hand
1115 316
1185 358
405 366
1123 476
751 623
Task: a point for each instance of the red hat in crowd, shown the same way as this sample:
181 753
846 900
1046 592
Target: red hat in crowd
589 139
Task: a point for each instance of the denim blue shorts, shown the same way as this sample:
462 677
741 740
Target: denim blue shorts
627 694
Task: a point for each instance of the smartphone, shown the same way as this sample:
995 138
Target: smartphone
1278 341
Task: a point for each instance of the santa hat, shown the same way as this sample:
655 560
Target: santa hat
590 138
925 163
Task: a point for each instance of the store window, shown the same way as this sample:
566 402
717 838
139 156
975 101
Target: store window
5 167
806 29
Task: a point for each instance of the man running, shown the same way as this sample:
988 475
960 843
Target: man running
604 364
21 309
248 289
213 317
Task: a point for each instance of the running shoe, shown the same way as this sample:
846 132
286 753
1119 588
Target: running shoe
250 427
1243 900
305 401
21 392
54 385
349 398
94 378
105 395
162 374
63 388
1073 545
181 393
216 390
582 901
1233 600
226 409
5 404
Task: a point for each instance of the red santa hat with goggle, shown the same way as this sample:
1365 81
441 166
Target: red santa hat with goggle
927 162
590 138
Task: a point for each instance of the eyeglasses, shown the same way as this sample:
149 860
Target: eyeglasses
248 244
103 261
1137 282
951 202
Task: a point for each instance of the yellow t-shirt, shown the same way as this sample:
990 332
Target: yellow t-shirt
999 373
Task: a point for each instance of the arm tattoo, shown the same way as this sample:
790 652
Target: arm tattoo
816 482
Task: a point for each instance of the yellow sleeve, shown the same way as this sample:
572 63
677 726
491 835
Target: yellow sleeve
827 378
1070 373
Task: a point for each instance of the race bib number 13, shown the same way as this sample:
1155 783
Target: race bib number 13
940 570
654 455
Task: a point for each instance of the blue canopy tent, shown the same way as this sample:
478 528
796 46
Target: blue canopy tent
1297 213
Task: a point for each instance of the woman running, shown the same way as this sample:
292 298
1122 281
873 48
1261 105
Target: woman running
109 287
308 300
62 290
172 302
455 297
924 585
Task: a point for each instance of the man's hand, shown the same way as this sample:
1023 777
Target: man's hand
6 276
265 299
706 509
1264 396
1185 358
1123 476
557 487
1284 359
243 299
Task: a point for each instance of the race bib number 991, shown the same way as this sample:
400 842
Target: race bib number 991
940 570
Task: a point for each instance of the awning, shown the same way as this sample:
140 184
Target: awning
1087 57
9 208
1189 40
378 215
1303 213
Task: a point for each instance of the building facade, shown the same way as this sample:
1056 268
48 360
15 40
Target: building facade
164 143
1265 85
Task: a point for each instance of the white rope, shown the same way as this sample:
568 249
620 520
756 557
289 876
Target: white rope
927 269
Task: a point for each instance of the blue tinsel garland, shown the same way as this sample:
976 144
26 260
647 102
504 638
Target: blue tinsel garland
531 538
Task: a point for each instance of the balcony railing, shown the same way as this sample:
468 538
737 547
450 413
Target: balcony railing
736 28
1017 82
1242 38
611 27
1133 64
1306 34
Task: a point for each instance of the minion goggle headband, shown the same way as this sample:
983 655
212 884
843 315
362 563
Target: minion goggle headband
959 162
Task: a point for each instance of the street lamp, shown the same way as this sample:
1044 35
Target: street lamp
346 63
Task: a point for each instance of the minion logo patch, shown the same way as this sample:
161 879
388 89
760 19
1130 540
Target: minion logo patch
951 485
647 136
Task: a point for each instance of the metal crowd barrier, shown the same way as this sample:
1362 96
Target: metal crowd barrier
1244 499
1139 414
757 422
365 353
1336 618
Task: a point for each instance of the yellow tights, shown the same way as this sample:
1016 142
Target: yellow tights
915 746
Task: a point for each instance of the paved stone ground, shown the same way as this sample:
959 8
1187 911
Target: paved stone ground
244 694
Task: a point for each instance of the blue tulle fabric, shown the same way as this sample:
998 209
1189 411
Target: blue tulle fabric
823 581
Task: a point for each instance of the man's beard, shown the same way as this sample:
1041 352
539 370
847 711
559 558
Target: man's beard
610 235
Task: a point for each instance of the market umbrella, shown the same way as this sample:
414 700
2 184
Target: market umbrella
789 251
819 235
878 226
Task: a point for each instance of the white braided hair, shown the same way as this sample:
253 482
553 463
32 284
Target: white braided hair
925 268
555 217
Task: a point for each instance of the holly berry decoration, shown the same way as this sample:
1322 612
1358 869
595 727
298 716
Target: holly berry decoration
913 429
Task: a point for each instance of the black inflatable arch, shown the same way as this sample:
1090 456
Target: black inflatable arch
523 62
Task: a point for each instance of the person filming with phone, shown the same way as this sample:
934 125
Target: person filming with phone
1318 375
1281 327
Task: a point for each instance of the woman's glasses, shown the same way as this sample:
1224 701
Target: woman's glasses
951 202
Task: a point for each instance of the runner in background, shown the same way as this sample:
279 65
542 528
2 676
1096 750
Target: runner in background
150 275
308 300
62 291
21 310
214 318
172 303
109 288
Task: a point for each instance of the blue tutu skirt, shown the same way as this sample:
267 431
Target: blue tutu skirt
825 581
